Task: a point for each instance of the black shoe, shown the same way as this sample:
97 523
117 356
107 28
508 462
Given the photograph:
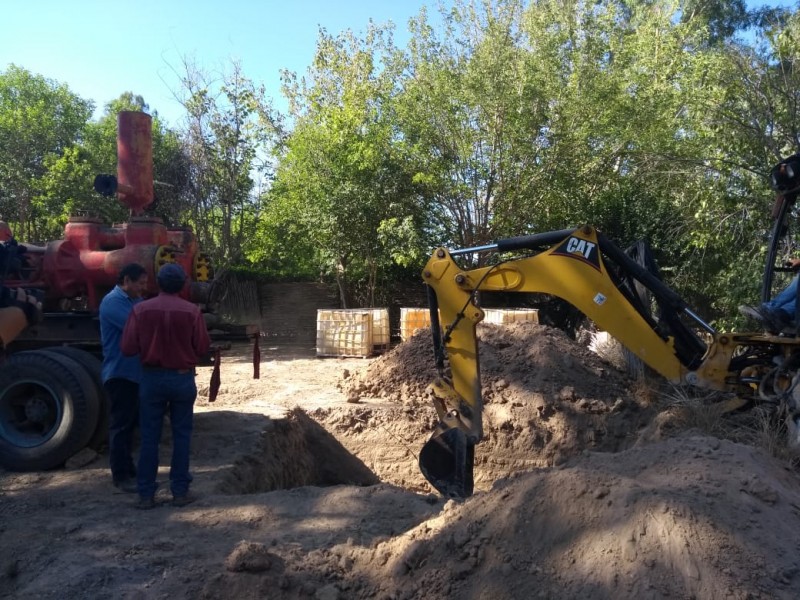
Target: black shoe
781 318
773 320
126 485
146 502
752 312
180 501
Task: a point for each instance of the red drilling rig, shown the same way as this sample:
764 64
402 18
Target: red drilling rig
52 402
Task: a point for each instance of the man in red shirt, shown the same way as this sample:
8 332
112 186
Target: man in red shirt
169 335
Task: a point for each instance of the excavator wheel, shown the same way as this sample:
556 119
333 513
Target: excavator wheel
446 461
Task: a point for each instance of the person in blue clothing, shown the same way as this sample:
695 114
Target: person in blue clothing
779 312
121 374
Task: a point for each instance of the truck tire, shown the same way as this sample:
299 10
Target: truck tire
48 410
94 367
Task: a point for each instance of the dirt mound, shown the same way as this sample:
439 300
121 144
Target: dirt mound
678 515
251 557
400 376
525 355
546 398
689 517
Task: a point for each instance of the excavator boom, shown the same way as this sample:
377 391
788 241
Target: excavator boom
587 270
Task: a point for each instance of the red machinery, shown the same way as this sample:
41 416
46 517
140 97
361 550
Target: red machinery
52 401
73 274
77 271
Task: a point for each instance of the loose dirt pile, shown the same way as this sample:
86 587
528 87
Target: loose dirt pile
690 517
546 399
587 489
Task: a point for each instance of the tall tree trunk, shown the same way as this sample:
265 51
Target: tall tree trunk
341 281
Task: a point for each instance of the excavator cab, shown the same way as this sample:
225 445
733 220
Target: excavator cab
784 243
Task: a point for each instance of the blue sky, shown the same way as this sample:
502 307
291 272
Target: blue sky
102 48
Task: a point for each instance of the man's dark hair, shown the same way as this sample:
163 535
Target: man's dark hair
171 278
132 271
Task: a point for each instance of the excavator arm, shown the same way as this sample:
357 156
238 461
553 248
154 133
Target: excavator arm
575 266
617 292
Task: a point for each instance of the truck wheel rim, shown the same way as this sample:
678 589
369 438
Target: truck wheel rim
30 413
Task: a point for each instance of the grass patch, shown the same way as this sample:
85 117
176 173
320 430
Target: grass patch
763 425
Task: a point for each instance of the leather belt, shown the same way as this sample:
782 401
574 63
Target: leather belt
178 371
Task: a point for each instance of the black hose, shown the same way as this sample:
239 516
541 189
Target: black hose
436 330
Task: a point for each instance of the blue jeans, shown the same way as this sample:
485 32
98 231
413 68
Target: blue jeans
161 389
123 415
786 300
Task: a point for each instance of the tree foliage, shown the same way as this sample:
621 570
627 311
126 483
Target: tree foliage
471 111
39 120
342 177
229 129
655 119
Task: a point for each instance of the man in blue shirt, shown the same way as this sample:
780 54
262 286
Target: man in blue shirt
121 374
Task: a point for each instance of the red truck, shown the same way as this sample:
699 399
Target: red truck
52 402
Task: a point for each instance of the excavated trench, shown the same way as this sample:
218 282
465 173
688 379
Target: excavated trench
547 398
293 452
618 519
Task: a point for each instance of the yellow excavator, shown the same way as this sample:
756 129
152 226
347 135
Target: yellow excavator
621 292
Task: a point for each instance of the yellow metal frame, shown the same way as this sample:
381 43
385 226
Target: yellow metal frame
574 271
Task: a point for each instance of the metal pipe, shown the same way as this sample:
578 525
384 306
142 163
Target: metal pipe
461 251
524 242
135 160
700 321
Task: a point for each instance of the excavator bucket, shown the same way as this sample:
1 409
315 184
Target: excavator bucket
446 461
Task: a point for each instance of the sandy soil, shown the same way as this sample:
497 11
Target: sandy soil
589 486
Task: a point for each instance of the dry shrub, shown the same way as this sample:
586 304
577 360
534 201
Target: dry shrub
696 409
648 392
767 429
763 426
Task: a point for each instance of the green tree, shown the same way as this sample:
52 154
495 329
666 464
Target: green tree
526 119
342 179
634 141
755 123
470 112
229 131
722 18
39 119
